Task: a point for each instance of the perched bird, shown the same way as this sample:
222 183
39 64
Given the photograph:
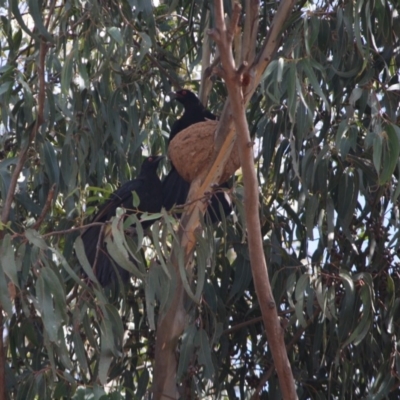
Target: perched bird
175 188
148 189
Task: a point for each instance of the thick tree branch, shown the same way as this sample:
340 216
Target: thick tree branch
171 324
233 79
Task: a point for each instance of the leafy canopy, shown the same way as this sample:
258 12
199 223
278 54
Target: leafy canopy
325 123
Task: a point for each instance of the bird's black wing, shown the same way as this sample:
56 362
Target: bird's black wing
148 188
175 189
122 197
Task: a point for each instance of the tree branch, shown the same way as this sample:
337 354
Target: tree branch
172 323
233 77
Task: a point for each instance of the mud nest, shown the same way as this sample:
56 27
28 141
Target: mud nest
191 152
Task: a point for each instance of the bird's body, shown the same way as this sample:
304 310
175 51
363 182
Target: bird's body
148 189
175 188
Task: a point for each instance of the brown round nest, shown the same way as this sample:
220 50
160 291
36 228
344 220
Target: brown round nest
191 151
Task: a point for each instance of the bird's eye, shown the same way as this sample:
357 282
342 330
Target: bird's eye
150 159
183 92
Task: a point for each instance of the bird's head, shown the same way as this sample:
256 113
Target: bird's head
185 97
151 163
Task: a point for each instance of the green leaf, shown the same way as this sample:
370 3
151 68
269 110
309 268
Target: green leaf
306 65
80 253
390 152
133 221
15 8
187 349
117 248
57 290
35 11
292 93
377 152
204 353
155 235
7 260
4 297
311 211
5 87
364 323
66 73
301 287
115 33
51 163
243 276
143 383
51 317
35 239
79 350
145 46
116 323
136 200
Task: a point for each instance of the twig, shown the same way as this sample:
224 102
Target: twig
46 207
251 322
78 228
98 248
223 36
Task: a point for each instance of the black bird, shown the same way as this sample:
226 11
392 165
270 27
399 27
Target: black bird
175 188
148 188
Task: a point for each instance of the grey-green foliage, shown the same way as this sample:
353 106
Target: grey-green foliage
326 121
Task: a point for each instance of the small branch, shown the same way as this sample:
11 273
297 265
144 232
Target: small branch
50 13
273 38
79 228
250 31
98 248
46 207
251 322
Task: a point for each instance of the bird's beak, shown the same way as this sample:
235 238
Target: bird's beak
158 159
172 95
